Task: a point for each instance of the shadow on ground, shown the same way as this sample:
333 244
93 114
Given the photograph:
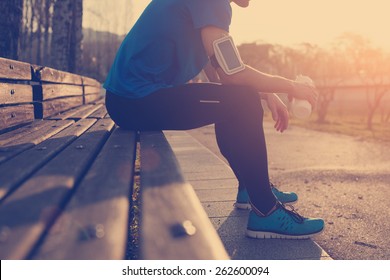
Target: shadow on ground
231 229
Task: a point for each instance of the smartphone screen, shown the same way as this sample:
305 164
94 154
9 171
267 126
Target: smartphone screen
230 56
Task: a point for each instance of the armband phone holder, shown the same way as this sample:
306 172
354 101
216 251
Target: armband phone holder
227 55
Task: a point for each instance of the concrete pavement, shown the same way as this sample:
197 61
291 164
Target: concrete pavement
216 187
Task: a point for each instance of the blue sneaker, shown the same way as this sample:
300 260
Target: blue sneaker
284 197
242 201
282 223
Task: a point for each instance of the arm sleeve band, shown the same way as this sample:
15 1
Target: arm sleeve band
227 56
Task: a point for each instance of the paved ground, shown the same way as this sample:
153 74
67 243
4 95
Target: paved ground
342 179
214 184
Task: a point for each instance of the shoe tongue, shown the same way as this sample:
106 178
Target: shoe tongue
294 213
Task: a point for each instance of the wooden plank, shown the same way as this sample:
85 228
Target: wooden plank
85 112
46 74
174 224
170 215
90 82
15 115
78 113
15 93
30 140
159 165
101 101
12 136
51 91
96 219
89 98
51 107
17 169
33 207
100 113
66 114
14 70
92 89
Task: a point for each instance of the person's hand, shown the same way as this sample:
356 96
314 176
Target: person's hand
305 92
279 112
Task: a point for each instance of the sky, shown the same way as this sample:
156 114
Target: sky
286 22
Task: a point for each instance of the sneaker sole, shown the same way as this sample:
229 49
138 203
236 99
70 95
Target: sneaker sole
273 235
247 206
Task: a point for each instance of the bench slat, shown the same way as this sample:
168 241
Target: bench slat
66 114
36 203
81 112
101 101
50 91
46 74
92 89
100 113
96 219
51 107
168 203
17 169
91 82
86 112
14 70
15 115
15 134
89 98
15 93
30 140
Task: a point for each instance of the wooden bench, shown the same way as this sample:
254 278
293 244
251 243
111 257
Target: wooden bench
67 176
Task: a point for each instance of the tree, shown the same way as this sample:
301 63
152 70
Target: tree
10 23
331 70
47 26
36 32
377 73
66 50
372 67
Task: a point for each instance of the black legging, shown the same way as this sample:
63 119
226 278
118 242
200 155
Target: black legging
236 112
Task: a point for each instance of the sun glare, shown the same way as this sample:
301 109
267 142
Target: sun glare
320 22
290 22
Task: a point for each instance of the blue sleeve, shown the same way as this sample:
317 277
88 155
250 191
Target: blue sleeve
210 12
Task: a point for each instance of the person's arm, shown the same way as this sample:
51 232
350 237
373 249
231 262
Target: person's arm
262 82
211 73
213 77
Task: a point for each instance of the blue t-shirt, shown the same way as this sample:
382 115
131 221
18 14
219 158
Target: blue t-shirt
164 48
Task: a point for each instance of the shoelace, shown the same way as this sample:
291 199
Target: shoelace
274 188
294 214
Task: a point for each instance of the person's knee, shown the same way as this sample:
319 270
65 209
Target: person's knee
249 101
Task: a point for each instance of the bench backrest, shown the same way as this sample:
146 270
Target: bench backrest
29 92
16 93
